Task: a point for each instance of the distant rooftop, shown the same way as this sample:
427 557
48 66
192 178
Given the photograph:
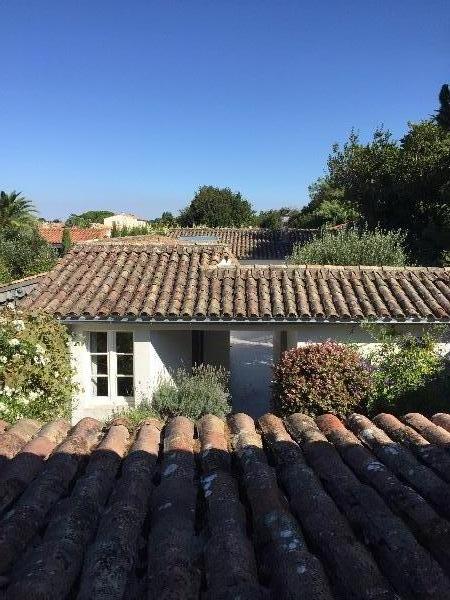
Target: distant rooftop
248 243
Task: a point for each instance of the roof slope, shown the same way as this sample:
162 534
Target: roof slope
140 280
251 244
53 234
320 510
10 292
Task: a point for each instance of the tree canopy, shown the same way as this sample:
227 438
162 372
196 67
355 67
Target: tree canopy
443 112
87 218
217 207
23 252
15 210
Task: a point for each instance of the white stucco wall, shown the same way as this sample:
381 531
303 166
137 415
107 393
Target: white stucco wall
157 354
349 334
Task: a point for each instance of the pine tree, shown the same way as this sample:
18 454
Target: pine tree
443 113
66 241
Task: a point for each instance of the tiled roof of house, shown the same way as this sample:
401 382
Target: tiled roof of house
53 233
295 509
140 280
15 290
251 244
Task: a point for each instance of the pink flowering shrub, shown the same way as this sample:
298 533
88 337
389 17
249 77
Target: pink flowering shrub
320 378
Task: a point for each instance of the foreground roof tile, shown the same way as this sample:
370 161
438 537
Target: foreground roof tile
219 510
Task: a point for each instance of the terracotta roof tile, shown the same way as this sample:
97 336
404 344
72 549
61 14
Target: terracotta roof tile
155 280
215 510
53 234
250 244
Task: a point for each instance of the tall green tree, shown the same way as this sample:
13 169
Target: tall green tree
217 207
402 184
15 210
66 240
443 112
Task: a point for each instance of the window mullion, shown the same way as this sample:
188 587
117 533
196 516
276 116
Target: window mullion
112 360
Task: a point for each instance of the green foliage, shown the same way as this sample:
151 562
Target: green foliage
24 252
217 207
5 275
135 415
318 378
87 218
270 219
353 247
400 184
150 229
195 393
36 376
273 218
408 372
200 391
66 241
327 206
15 210
443 113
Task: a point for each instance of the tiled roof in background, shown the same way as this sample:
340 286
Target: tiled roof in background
186 282
320 510
53 233
251 244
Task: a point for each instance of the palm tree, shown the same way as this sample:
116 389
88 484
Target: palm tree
15 210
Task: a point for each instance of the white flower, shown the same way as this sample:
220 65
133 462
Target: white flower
10 305
40 349
8 391
3 406
3 359
19 324
14 342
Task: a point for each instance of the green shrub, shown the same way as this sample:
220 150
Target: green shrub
24 252
408 373
36 376
353 247
318 378
195 393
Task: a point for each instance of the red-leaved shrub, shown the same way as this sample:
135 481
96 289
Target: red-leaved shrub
319 378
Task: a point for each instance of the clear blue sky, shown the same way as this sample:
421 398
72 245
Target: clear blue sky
131 105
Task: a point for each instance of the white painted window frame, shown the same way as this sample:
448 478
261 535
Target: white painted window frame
111 354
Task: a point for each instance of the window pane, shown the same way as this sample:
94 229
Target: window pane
100 385
125 386
99 364
98 341
124 341
124 364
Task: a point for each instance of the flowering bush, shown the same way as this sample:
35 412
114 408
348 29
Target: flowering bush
36 376
318 378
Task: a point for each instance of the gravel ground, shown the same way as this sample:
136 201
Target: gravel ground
251 360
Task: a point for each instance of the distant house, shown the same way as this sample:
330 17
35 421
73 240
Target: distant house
146 306
124 220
